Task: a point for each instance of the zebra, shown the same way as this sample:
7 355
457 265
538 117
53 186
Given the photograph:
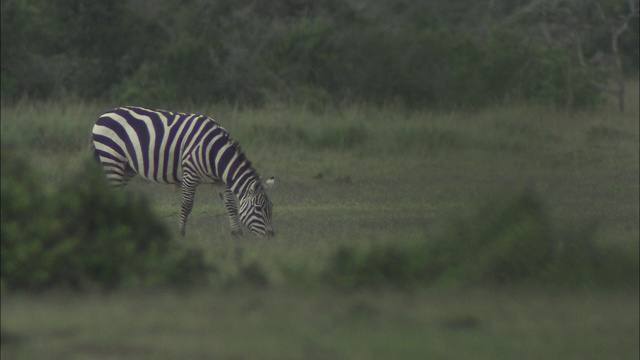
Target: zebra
186 149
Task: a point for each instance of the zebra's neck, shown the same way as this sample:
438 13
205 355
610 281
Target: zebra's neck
236 170
241 186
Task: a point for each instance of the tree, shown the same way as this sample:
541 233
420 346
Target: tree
570 24
616 23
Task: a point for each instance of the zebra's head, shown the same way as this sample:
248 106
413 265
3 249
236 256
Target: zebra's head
255 208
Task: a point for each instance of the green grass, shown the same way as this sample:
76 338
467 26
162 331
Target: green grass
359 177
276 324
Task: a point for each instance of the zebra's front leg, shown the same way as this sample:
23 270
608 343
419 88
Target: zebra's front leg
188 194
229 200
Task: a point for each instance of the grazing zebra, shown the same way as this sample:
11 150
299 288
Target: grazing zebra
185 149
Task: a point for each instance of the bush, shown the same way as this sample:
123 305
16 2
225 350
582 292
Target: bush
507 240
84 235
502 241
377 266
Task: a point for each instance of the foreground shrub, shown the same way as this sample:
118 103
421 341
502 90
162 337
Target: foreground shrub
84 234
502 241
507 240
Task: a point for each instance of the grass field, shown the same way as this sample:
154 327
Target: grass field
357 176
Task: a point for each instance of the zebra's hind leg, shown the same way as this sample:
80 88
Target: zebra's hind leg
188 194
229 200
118 174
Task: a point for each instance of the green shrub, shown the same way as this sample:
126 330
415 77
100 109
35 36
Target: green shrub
505 240
84 234
508 240
378 266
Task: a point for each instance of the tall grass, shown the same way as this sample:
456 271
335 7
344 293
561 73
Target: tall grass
58 127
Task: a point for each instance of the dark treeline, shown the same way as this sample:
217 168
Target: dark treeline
415 53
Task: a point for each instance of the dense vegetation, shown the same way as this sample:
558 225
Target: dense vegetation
84 235
420 54
506 240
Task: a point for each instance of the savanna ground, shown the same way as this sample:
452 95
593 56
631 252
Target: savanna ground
358 176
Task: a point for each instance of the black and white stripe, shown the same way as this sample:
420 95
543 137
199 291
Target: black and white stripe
186 149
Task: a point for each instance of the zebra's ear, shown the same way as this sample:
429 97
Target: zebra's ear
269 183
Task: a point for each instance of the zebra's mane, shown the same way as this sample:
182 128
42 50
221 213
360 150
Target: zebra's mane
243 157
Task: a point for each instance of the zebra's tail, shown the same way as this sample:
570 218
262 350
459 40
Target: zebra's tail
92 149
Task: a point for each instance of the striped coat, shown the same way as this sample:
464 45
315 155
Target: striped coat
186 149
